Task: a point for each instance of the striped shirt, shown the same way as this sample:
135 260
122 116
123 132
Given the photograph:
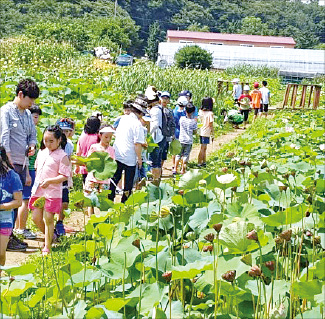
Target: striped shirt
17 132
187 126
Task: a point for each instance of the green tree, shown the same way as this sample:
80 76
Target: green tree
198 27
193 56
155 36
253 25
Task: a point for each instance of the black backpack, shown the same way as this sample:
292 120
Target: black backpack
168 122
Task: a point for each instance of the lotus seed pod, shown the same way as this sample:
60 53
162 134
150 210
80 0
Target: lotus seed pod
164 211
209 237
286 234
217 227
270 265
255 271
229 275
283 188
252 235
207 248
167 276
279 240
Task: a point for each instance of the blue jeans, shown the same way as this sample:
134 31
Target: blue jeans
156 155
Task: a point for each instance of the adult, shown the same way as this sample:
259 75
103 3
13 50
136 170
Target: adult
129 138
237 90
18 136
155 157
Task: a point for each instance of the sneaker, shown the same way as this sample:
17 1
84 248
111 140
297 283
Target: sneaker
14 245
59 228
17 240
29 234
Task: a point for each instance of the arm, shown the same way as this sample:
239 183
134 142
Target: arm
154 125
5 132
138 150
58 179
15 203
32 136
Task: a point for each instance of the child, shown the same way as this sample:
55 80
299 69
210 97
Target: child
245 104
236 91
52 169
256 99
88 137
233 117
30 176
188 127
206 118
67 125
10 198
265 99
103 145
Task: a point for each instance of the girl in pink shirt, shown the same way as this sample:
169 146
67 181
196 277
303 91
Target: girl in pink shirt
92 184
87 138
52 169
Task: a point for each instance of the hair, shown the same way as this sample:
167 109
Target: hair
92 125
35 109
264 83
190 108
99 137
4 162
58 134
127 104
29 88
135 110
207 104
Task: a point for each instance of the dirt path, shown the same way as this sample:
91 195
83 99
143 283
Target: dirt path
213 147
75 221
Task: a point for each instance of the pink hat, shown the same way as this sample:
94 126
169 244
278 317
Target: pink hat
256 84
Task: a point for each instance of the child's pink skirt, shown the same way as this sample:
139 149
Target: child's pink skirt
52 205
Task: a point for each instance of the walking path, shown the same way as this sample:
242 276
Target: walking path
75 221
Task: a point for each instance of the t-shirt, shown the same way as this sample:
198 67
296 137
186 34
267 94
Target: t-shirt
49 165
129 132
9 184
99 148
265 95
237 90
206 118
245 101
69 148
83 146
156 123
178 113
256 98
187 126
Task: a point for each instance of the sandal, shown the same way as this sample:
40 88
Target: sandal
45 251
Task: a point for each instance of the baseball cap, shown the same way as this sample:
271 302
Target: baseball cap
64 125
165 94
185 93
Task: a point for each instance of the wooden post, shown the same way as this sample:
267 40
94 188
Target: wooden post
219 87
286 96
310 95
227 86
294 95
316 97
303 96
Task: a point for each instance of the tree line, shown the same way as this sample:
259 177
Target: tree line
137 26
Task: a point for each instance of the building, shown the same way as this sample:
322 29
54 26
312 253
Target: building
243 40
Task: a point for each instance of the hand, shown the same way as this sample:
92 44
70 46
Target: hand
45 183
140 162
28 180
31 151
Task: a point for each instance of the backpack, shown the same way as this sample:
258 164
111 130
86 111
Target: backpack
168 122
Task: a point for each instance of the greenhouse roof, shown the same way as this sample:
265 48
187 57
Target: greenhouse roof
230 37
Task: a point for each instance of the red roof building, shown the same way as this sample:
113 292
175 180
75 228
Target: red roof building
230 39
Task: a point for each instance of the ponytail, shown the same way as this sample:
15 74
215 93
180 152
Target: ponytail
58 134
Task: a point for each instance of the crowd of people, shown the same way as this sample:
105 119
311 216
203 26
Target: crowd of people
36 168
257 100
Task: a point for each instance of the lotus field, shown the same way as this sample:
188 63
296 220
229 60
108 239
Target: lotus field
243 238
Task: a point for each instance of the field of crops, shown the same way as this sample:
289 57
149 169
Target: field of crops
242 239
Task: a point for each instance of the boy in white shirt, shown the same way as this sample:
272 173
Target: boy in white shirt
265 101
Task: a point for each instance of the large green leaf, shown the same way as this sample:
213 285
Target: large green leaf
103 166
175 147
307 290
125 252
190 270
190 179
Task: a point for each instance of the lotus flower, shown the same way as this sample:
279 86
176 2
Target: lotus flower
270 265
226 179
286 234
322 147
229 275
167 276
252 235
278 313
136 243
207 248
255 271
209 237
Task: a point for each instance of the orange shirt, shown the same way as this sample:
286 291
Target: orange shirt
256 98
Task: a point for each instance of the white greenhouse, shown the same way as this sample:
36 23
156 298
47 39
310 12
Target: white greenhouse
297 61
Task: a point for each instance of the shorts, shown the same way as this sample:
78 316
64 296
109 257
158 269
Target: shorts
140 172
5 231
185 152
96 187
165 152
156 155
65 192
204 140
27 190
256 111
52 205
264 108
245 113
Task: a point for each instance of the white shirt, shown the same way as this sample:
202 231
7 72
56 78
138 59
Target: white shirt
237 90
265 95
129 132
156 124
187 126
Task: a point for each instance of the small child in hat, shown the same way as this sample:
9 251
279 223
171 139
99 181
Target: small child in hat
256 96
